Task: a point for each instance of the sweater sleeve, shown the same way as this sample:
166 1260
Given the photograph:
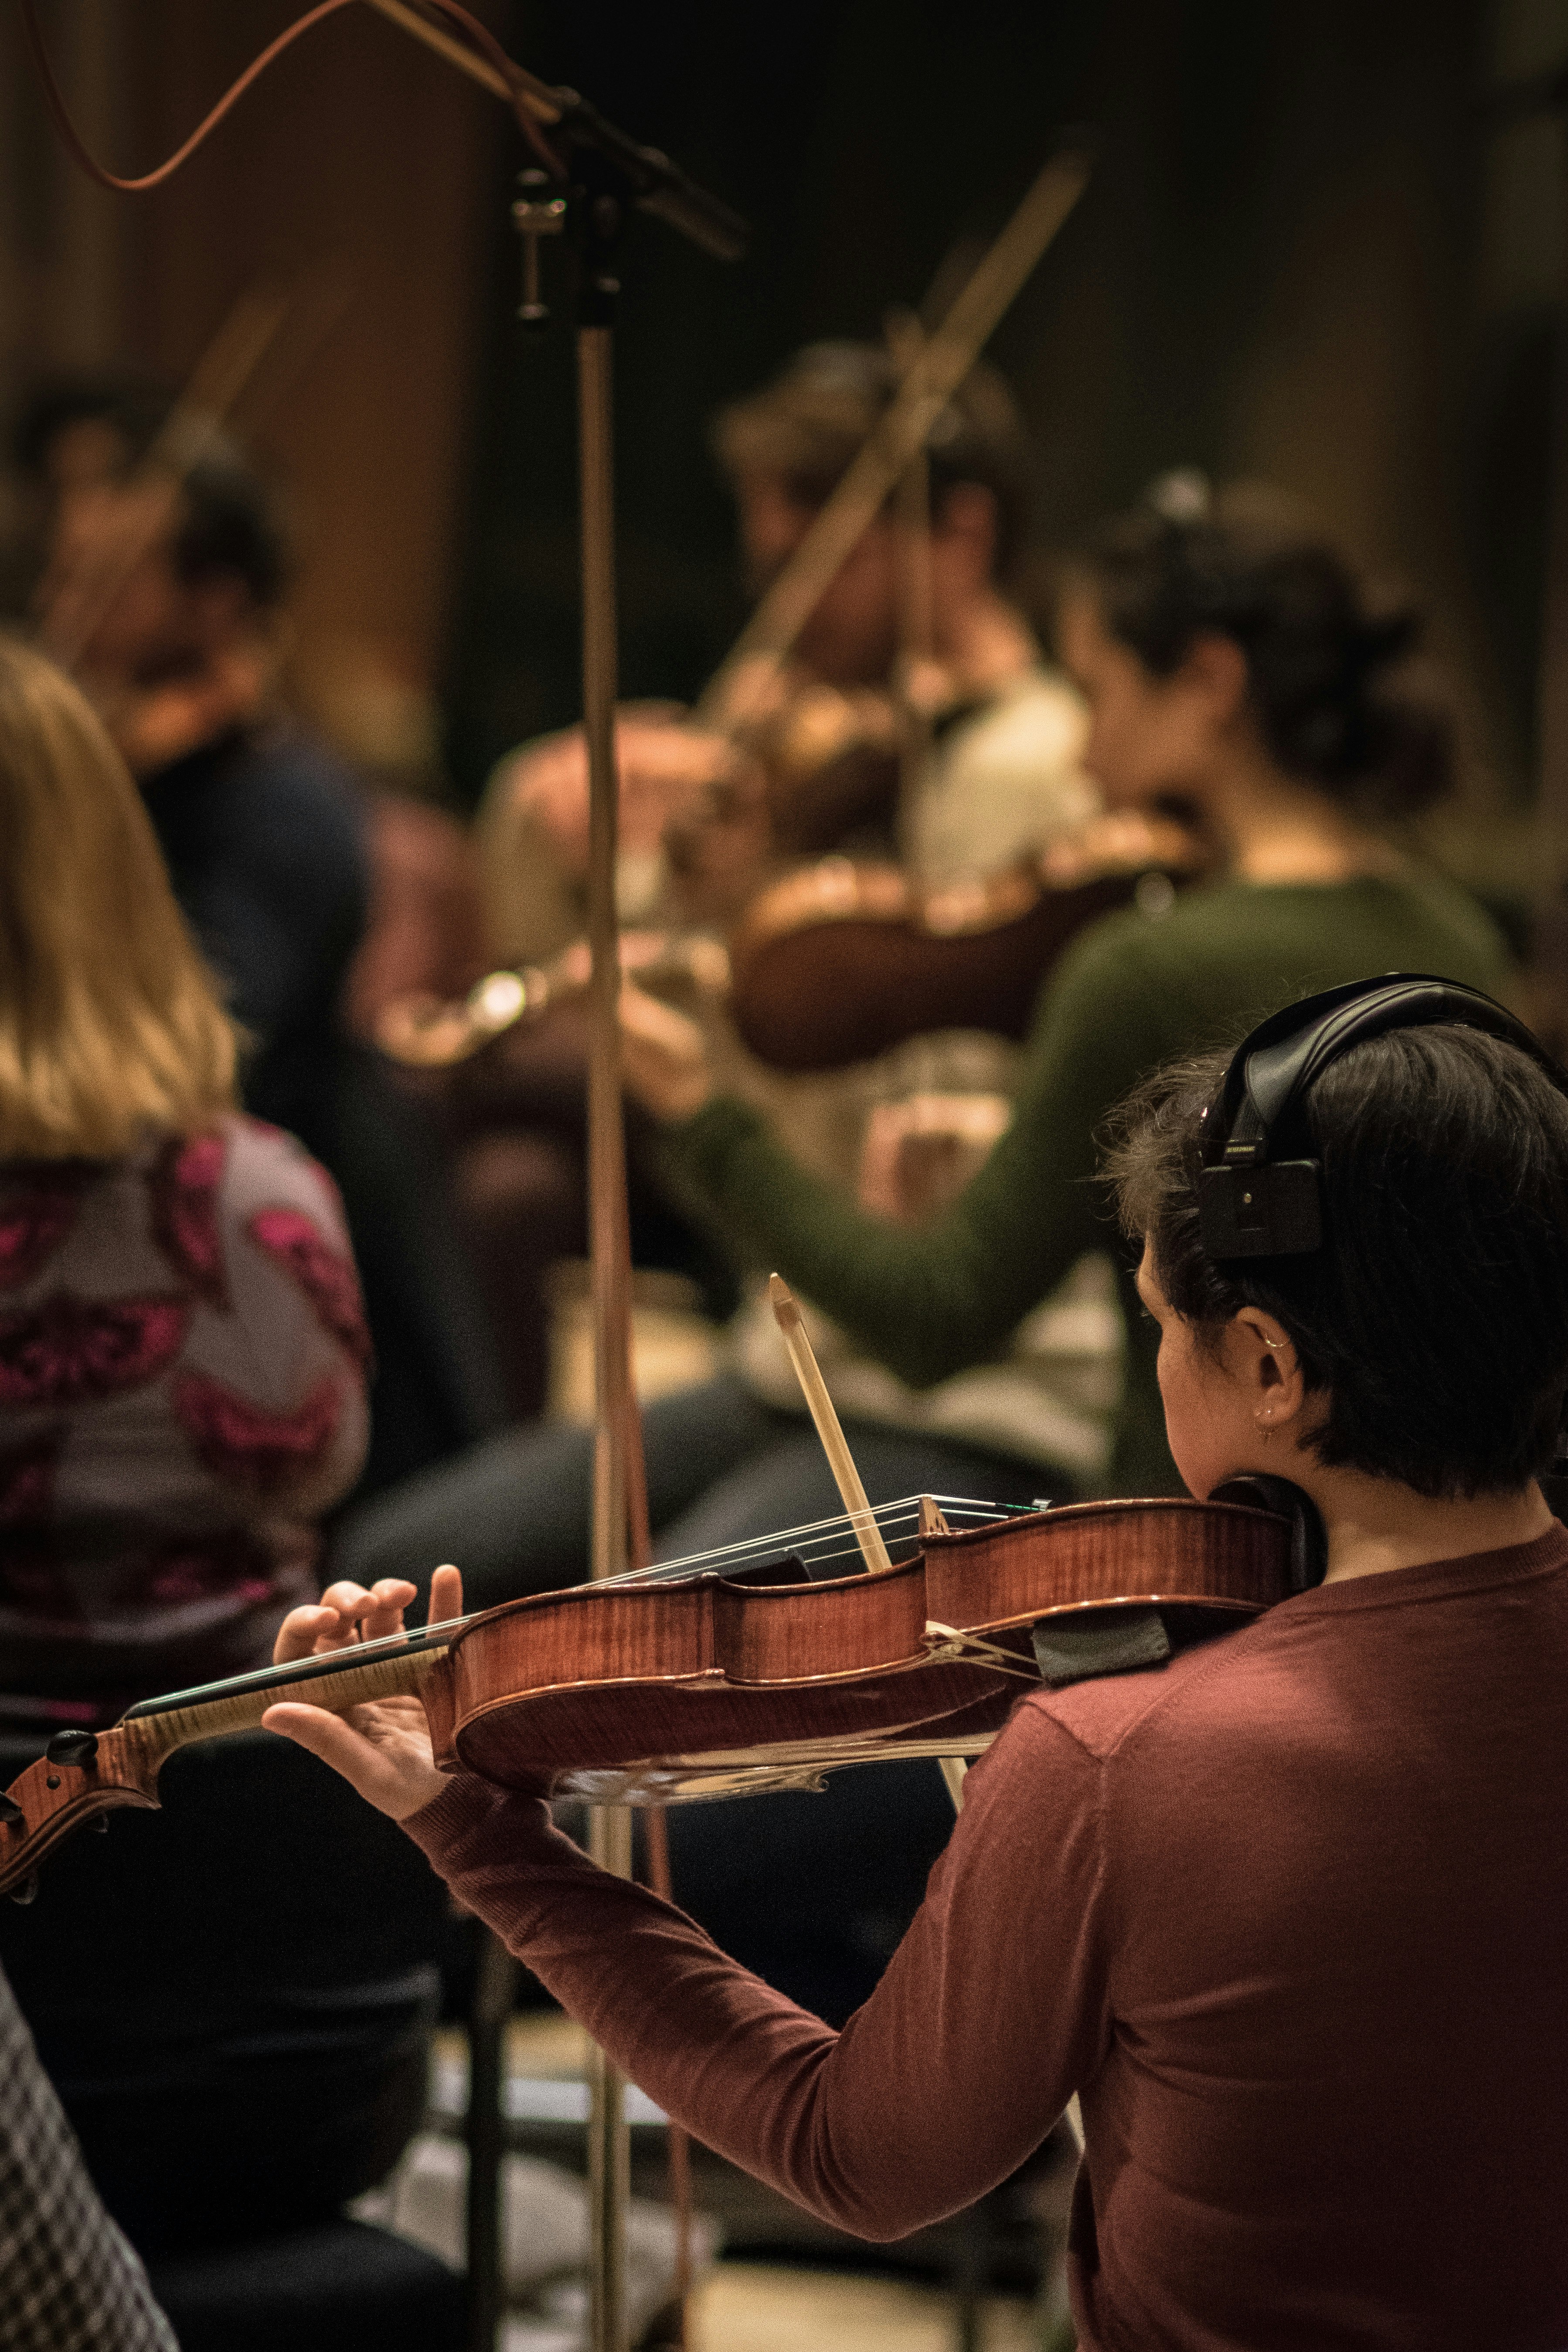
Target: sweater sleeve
991 2013
929 1300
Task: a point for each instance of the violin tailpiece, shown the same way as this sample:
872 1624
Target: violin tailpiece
950 1645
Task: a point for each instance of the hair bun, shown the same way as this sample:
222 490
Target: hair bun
1248 563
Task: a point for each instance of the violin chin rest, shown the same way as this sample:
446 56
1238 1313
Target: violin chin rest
1309 1541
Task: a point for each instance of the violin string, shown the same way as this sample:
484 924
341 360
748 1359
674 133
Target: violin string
897 1518
817 1534
842 1523
814 1533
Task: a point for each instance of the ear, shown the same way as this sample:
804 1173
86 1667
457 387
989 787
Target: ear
1214 671
1262 1358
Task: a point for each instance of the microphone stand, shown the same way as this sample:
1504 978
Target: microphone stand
594 221
603 172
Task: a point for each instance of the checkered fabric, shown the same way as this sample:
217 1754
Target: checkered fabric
68 2281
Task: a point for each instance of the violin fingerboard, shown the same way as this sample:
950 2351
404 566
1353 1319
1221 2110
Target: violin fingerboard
400 1675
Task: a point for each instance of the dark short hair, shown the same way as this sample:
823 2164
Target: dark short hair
809 424
134 405
1433 1321
1322 649
230 523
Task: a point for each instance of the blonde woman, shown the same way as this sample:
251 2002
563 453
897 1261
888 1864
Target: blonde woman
182 1353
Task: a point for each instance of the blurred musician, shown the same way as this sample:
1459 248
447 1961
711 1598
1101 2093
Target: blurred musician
165 569
1231 661
955 763
809 759
164 562
182 1353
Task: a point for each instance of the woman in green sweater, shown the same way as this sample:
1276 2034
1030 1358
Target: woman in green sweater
1229 664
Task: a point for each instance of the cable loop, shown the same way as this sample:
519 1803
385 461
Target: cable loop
479 37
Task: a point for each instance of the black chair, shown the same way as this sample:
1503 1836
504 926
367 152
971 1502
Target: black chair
341 2287
233 1997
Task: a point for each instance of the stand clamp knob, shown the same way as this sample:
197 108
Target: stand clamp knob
535 215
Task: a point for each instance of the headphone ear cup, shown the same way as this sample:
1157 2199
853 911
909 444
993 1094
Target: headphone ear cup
1252 1206
1265 1210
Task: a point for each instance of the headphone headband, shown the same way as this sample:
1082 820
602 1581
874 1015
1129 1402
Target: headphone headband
1252 1205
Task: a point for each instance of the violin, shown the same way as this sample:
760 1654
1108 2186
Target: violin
728 1675
816 762
838 962
705 816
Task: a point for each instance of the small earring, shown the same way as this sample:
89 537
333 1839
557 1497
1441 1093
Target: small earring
1274 1343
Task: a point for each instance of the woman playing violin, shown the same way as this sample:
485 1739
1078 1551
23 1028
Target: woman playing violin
1285 1910
1232 662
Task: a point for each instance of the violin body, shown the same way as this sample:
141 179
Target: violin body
646 1690
838 962
696 1682
716 1686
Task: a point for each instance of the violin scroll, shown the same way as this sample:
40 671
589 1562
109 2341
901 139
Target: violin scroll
63 1793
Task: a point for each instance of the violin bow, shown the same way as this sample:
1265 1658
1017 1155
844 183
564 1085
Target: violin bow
869 1535
934 374
917 633
185 437
841 1462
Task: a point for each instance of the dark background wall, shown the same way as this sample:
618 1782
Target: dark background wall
1307 253
351 182
1276 270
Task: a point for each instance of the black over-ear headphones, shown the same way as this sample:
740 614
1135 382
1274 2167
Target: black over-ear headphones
1252 1205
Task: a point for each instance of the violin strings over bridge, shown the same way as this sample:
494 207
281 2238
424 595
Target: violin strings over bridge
947 1643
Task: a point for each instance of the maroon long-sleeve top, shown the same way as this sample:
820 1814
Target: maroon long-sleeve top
1290 1913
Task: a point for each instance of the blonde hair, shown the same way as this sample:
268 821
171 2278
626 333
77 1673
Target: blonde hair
110 1024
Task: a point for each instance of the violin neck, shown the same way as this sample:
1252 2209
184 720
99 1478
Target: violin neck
120 1767
155 1728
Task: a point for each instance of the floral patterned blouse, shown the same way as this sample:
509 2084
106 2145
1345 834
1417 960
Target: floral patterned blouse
182 1364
